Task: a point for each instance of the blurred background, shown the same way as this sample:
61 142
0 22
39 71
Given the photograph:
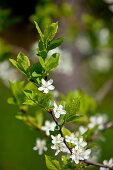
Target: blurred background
86 63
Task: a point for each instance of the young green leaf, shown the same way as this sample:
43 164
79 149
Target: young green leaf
52 164
55 43
50 32
17 90
39 31
22 63
52 62
41 60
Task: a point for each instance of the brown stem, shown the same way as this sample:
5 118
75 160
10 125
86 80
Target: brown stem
96 164
60 130
33 125
106 126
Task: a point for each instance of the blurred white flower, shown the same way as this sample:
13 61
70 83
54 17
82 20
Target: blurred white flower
71 139
108 1
97 120
101 62
83 44
111 8
80 154
8 73
55 93
46 86
79 143
66 65
40 146
58 110
108 163
49 126
82 129
103 35
58 144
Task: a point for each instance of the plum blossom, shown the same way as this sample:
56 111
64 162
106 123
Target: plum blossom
71 139
46 86
58 110
49 126
79 154
82 130
40 146
97 120
108 163
80 143
58 144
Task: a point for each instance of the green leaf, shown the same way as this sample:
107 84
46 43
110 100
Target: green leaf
52 164
29 102
11 100
88 105
39 118
39 31
36 70
57 42
52 62
72 110
41 60
17 90
66 132
22 63
50 31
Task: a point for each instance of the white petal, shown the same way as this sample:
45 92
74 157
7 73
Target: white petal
35 148
44 82
55 105
46 90
41 88
57 115
50 82
63 112
51 87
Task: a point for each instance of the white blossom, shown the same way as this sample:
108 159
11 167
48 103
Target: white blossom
97 120
40 146
82 130
58 144
101 62
79 154
108 1
8 73
58 110
80 143
49 126
108 163
46 86
71 139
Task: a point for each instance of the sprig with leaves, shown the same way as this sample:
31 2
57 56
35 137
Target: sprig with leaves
76 108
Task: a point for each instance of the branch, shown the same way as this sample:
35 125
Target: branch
60 130
104 90
96 164
70 149
106 126
34 125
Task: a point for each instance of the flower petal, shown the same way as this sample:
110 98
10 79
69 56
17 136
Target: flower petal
46 90
51 87
41 88
50 82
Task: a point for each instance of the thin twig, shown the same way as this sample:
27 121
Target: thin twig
106 126
70 149
33 125
104 90
96 164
